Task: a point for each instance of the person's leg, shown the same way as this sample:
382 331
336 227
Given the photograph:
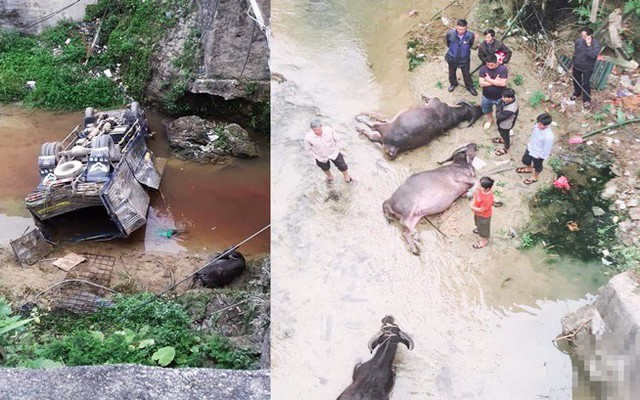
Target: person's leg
484 230
506 140
526 160
586 84
487 110
577 81
453 80
537 169
466 75
326 168
342 167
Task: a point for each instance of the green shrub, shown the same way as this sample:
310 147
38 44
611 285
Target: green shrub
139 329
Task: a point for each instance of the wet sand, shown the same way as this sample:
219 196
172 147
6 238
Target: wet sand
482 321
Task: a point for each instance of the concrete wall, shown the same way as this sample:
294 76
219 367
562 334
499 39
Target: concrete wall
23 14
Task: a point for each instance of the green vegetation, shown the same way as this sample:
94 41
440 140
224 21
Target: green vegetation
563 221
518 80
140 329
68 73
536 98
61 80
130 29
415 58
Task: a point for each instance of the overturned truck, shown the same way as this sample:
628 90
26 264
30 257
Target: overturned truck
93 183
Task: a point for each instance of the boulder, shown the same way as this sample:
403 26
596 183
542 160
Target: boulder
232 60
607 345
195 139
597 211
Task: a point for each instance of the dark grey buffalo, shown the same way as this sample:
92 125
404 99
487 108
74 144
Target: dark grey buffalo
222 271
431 192
374 379
419 125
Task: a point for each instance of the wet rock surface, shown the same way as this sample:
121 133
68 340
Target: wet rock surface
116 382
605 337
195 139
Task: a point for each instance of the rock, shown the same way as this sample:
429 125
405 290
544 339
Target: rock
609 348
613 80
241 145
233 57
632 203
609 191
597 211
634 213
625 81
195 139
120 382
620 205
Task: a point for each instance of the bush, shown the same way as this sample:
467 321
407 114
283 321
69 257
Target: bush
139 329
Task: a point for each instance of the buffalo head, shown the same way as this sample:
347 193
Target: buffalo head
390 331
475 111
463 155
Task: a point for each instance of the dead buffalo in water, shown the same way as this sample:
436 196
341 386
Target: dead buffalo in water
222 271
419 125
431 192
374 379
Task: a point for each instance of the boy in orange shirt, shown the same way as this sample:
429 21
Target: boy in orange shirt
482 207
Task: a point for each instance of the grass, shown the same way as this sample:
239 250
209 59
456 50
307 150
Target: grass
138 329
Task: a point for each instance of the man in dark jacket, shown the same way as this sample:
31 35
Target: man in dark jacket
490 46
586 52
459 42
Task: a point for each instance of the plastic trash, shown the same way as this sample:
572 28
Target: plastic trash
166 233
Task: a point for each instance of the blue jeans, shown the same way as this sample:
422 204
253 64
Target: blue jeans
487 105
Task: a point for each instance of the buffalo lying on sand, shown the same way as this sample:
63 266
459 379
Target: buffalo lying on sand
373 380
431 192
222 271
419 125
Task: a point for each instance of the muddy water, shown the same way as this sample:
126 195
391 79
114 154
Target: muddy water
213 207
482 321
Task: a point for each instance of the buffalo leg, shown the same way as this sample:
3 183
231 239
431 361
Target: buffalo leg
409 232
371 135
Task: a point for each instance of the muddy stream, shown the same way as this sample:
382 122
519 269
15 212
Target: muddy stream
213 207
482 320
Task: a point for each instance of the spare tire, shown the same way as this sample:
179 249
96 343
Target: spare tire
69 169
51 149
106 141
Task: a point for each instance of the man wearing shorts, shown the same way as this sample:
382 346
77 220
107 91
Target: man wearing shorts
323 145
493 80
538 149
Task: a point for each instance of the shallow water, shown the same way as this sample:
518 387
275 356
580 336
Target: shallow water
212 206
482 321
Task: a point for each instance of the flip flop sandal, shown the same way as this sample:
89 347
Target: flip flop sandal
498 204
478 245
497 140
475 231
501 152
523 170
529 181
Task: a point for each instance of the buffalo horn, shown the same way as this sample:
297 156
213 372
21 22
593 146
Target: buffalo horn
406 339
459 150
375 341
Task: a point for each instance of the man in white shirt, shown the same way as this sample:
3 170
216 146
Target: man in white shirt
538 149
323 145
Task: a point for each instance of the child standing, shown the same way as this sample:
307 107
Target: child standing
482 207
506 115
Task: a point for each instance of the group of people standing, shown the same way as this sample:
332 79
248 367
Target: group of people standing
324 147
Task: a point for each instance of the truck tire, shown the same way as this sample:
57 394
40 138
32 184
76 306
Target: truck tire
69 169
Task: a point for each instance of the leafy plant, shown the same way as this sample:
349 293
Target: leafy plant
439 85
536 98
415 58
632 6
518 80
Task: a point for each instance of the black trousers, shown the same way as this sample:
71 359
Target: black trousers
583 78
504 134
466 74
